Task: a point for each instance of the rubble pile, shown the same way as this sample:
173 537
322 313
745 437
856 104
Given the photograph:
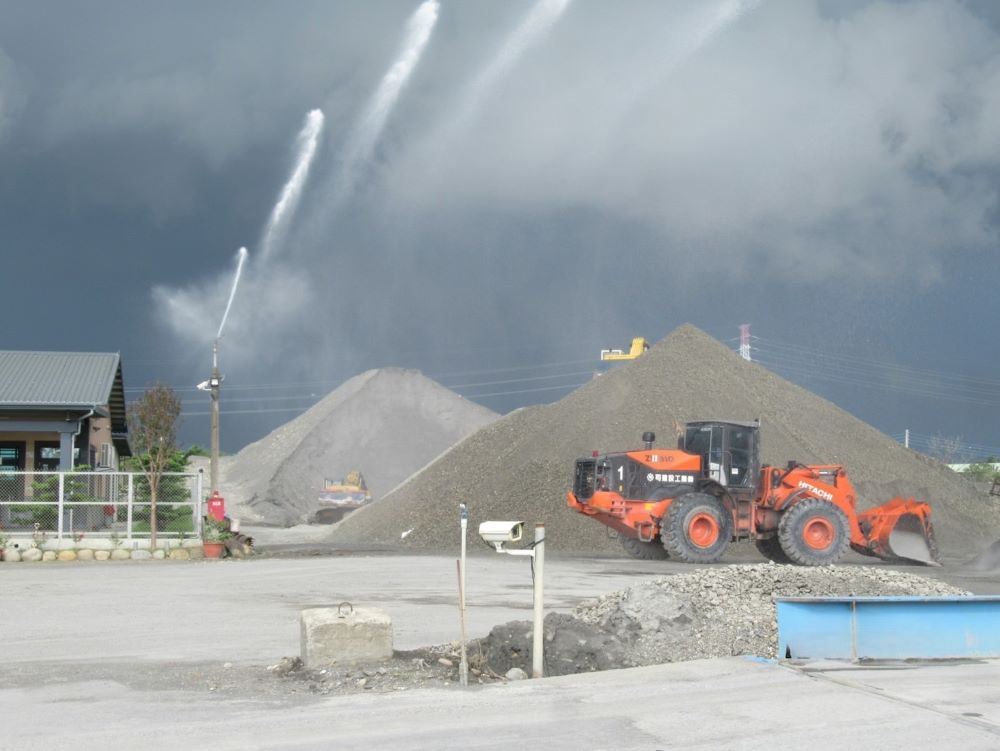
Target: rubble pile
717 611
520 466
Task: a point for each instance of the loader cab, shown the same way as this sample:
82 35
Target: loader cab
728 451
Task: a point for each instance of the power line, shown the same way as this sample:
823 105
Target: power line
438 376
808 362
854 361
792 367
526 391
466 396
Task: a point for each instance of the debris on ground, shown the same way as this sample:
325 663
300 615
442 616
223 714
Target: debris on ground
431 666
719 611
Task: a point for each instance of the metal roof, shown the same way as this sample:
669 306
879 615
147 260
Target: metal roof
57 379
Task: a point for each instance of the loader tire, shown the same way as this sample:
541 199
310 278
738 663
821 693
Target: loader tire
644 551
697 528
770 548
814 533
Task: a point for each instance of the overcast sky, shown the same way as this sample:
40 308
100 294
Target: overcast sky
544 180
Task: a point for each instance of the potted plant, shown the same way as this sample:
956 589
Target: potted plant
214 538
3 546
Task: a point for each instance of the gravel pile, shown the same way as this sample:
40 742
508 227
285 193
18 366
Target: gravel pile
520 466
387 423
713 612
727 610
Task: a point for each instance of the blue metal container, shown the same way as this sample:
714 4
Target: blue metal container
888 628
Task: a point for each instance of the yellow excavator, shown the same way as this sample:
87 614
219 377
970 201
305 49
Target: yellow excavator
639 345
341 496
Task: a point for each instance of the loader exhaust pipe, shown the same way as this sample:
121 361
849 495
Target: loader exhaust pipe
648 438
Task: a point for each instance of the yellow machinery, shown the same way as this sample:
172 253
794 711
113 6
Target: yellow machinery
639 345
340 497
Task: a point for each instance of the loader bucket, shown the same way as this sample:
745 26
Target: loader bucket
900 530
912 539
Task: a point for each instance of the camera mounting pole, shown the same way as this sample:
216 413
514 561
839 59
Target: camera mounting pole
537 552
463 663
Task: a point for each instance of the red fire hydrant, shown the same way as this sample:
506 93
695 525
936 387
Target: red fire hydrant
217 506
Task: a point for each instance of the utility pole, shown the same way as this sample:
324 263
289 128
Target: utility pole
214 384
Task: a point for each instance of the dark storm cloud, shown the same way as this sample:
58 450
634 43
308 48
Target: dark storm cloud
758 138
11 98
634 160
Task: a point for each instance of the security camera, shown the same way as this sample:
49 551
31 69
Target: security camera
499 533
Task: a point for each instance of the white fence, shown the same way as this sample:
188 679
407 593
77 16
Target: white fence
99 504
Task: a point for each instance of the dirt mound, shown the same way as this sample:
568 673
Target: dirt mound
520 466
714 612
388 423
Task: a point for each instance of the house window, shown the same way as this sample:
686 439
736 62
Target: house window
11 460
47 456
11 456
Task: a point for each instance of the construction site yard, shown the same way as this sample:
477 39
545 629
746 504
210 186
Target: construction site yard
203 654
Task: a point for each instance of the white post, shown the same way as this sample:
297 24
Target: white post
131 496
59 508
906 438
537 661
463 664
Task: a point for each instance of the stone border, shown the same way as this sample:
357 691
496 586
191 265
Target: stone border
101 549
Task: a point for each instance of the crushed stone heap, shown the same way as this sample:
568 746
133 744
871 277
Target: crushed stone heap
520 466
387 423
717 611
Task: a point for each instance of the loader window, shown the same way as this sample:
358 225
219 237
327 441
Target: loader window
706 441
583 482
698 441
740 449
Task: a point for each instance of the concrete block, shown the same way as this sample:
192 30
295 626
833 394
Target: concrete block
31 554
87 554
334 635
67 555
120 554
102 555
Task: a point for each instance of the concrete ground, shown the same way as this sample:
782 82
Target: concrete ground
131 654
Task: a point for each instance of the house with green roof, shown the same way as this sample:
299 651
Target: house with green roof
61 409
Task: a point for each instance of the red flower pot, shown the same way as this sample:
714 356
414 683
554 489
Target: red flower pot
213 549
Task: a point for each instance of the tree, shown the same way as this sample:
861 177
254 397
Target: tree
152 422
982 471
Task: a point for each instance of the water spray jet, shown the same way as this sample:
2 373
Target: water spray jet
540 19
383 101
308 141
241 258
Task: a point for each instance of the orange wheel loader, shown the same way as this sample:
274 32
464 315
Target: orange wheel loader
692 502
